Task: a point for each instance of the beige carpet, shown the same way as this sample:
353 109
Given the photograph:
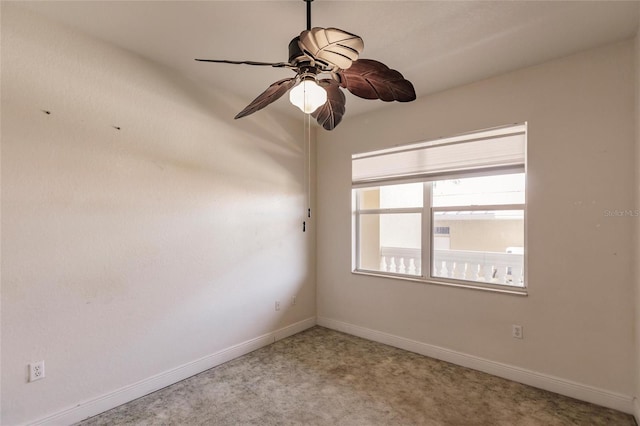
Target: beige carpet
322 377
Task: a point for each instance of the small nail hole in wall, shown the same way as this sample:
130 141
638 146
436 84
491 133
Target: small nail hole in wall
116 127
46 111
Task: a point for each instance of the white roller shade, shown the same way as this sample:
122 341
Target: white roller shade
499 148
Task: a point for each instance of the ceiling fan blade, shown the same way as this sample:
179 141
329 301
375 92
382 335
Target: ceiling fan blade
266 64
272 94
331 46
371 79
330 114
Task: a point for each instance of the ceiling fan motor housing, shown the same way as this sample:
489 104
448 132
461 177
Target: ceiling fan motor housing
295 53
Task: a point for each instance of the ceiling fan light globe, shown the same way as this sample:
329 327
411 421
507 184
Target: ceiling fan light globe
308 96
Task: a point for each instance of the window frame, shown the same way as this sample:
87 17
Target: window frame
398 210
427 212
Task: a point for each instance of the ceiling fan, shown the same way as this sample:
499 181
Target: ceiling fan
334 54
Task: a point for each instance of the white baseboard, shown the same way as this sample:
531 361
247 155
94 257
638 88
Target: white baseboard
92 407
292 329
624 403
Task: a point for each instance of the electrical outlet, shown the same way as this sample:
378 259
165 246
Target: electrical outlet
293 300
36 371
516 331
277 305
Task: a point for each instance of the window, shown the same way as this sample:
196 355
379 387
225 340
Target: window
450 211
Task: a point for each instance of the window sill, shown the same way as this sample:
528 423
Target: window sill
516 291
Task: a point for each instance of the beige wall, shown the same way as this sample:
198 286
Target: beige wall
578 317
637 223
129 253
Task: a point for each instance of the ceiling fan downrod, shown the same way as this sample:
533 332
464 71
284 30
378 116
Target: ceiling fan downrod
308 13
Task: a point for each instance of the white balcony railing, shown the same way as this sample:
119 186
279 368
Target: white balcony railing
485 267
401 260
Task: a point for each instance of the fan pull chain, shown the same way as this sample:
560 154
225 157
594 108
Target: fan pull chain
307 159
304 171
307 166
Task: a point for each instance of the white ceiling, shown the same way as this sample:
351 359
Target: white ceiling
434 44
